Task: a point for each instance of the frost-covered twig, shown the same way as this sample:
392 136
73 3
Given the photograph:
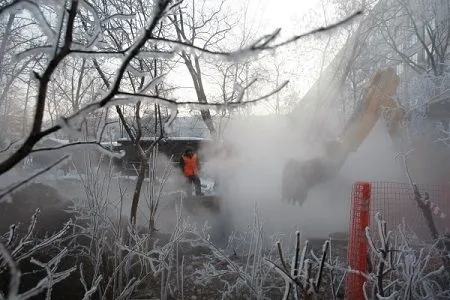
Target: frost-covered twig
245 277
135 97
47 242
261 44
403 272
425 204
300 274
47 282
318 281
36 133
35 11
10 144
280 254
88 292
75 144
13 270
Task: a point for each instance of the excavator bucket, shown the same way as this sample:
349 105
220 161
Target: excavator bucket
293 186
298 177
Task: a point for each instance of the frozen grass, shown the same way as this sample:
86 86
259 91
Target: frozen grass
117 261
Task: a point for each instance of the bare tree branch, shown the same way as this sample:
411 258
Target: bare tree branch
44 79
132 52
96 143
11 189
263 43
197 105
10 144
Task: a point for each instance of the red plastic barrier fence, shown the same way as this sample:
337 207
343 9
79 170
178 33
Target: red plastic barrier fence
395 201
357 248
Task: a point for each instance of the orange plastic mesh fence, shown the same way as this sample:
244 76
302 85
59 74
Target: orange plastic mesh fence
395 201
357 248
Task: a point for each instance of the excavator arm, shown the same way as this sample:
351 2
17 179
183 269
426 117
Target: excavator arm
300 176
377 101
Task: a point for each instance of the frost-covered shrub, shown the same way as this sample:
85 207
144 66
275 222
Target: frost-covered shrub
31 265
240 270
102 257
403 267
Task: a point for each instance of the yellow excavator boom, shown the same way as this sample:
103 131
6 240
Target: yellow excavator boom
299 177
378 100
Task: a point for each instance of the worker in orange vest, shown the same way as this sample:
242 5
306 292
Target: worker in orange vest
190 166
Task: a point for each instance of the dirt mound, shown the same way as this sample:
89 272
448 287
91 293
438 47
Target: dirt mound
26 201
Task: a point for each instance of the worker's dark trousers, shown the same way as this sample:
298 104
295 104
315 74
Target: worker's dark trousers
194 179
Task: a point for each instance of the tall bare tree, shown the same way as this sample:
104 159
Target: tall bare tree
206 28
122 60
14 74
418 32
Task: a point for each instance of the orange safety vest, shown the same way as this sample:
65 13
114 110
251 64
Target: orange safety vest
190 165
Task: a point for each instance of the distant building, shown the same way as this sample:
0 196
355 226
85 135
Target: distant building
192 126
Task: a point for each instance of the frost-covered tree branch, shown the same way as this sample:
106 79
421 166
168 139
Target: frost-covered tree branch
36 134
404 266
299 278
426 30
134 49
20 248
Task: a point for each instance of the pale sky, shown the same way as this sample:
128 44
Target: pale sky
263 17
285 13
